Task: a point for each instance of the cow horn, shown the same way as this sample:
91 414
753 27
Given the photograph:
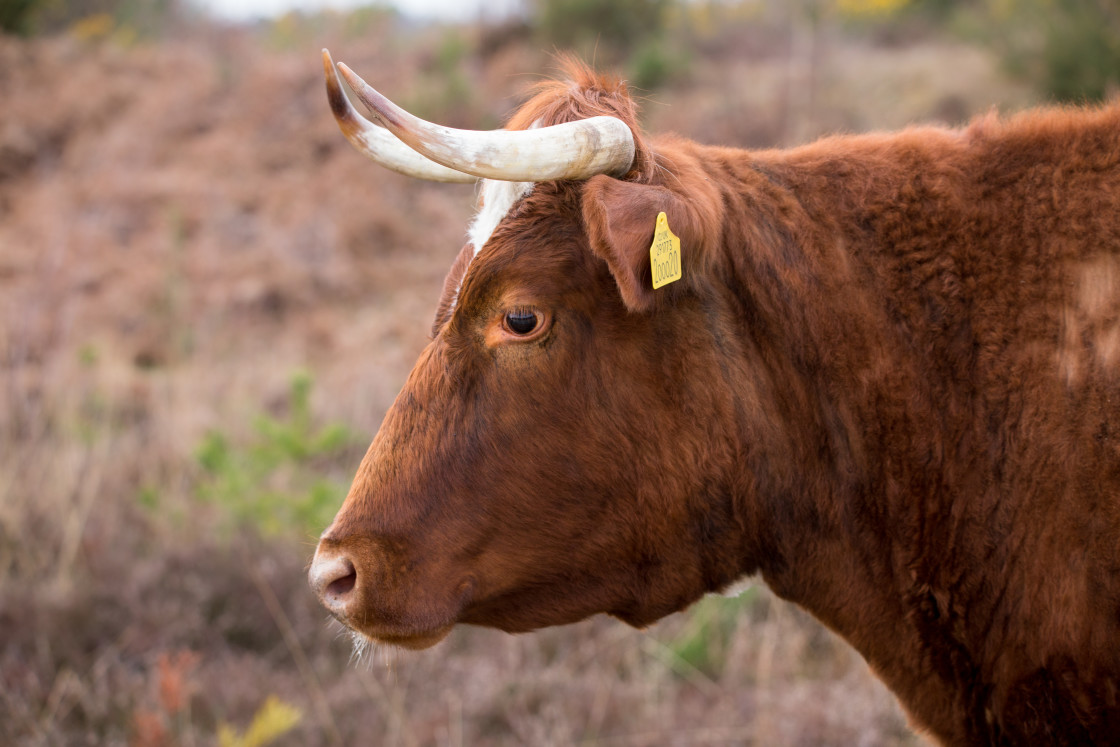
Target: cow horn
572 150
377 142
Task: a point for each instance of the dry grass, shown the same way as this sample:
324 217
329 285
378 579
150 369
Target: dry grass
181 228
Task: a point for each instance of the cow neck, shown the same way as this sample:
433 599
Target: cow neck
848 517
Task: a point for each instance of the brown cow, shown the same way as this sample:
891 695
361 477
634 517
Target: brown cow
888 382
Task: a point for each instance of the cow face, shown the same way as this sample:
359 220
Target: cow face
546 457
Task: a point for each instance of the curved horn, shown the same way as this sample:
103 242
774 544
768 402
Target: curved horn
377 142
573 150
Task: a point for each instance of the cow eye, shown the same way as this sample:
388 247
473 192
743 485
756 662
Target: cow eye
521 321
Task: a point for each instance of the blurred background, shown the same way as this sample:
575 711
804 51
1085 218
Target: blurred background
208 300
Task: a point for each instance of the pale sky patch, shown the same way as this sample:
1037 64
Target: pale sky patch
444 10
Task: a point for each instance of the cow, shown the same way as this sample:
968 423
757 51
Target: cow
880 371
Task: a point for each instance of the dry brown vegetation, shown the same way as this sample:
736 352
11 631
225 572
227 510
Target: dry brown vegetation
182 229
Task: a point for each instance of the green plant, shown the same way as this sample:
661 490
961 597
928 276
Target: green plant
703 644
275 482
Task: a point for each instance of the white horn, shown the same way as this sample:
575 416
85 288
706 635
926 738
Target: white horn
573 150
377 142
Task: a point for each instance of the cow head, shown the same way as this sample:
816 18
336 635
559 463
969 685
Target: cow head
562 447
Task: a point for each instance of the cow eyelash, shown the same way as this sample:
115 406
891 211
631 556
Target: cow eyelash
522 321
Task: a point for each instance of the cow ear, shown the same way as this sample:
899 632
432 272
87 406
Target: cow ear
620 218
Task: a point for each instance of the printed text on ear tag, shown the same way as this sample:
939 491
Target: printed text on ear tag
664 253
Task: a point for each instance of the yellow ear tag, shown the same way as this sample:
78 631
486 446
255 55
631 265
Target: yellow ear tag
664 253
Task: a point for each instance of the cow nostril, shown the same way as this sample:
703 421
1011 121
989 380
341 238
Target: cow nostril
342 586
334 578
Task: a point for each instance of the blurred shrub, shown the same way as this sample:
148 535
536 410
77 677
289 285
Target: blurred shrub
634 34
1068 49
597 29
275 483
1081 53
143 17
103 26
443 93
92 27
15 15
655 64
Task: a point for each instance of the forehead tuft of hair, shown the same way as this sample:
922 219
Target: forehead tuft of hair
582 93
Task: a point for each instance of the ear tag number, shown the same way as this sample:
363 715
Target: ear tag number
664 253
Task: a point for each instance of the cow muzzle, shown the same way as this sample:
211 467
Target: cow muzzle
384 597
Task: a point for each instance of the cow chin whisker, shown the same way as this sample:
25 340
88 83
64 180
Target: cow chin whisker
362 647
